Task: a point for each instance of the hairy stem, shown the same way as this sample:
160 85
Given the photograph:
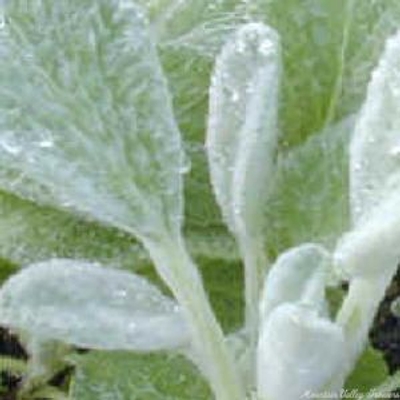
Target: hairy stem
356 316
178 270
255 265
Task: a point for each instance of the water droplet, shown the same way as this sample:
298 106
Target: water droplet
395 151
241 47
265 48
186 166
235 96
12 149
121 293
46 144
357 167
237 211
132 326
2 20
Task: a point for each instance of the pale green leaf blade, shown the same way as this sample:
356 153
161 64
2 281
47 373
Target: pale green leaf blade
293 274
30 233
288 367
372 245
375 148
242 125
86 119
90 306
124 376
310 203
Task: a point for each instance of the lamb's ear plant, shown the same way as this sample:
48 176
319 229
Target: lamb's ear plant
90 102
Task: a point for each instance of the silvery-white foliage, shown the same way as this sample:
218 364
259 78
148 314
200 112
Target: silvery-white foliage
298 351
375 148
87 305
86 118
297 274
373 244
242 125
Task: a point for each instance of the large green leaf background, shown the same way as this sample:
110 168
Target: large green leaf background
330 48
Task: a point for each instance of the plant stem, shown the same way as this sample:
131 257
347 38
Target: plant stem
182 276
356 316
255 265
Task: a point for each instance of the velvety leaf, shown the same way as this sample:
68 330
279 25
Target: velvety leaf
31 233
86 116
87 305
298 350
293 274
310 203
372 245
124 376
242 125
375 148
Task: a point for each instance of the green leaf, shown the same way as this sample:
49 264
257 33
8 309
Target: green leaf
224 283
370 371
125 376
88 305
86 116
31 233
311 201
389 385
330 48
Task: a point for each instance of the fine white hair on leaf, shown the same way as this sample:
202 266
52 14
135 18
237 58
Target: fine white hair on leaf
372 246
298 351
86 116
295 274
242 125
88 305
375 147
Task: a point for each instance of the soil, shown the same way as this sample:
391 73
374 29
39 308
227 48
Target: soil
9 346
385 333
384 336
